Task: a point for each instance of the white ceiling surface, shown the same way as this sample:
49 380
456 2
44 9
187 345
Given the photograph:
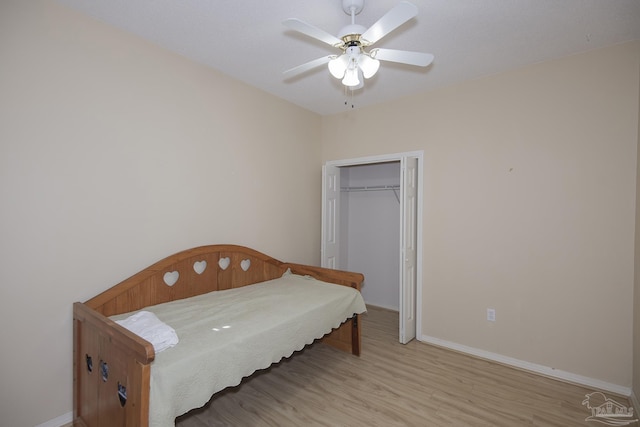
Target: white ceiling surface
469 38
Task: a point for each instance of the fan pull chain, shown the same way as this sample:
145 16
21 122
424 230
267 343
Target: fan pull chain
346 96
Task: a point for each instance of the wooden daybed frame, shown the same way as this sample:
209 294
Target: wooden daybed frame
98 339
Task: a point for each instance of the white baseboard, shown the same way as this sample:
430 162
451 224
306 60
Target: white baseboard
382 306
532 367
60 421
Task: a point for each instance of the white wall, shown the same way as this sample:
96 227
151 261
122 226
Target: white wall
113 154
373 231
529 206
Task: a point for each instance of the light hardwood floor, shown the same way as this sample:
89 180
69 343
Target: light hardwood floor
392 384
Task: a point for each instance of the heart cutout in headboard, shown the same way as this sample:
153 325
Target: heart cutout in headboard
224 262
199 266
171 277
245 264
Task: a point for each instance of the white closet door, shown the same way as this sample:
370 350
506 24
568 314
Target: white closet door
330 245
408 245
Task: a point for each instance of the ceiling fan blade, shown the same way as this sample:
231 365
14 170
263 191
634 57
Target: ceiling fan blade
307 66
397 16
311 31
402 56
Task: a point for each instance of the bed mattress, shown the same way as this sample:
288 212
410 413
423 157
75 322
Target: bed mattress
227 335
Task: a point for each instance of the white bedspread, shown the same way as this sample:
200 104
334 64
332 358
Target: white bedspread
227 335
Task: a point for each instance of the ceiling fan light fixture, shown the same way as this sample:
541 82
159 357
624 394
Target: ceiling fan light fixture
351 77
368 65
338 66
359 85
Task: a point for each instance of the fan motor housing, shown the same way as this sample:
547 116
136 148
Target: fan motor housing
351 32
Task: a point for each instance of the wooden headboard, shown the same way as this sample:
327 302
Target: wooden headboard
201 270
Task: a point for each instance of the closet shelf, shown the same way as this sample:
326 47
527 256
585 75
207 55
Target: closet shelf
371 188
393 188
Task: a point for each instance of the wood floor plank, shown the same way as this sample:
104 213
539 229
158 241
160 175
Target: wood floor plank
392 384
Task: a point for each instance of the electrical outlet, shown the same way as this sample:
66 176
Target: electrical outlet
491 314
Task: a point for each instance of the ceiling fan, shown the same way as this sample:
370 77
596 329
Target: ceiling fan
357 61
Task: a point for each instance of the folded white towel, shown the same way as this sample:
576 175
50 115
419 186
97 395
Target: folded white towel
147 325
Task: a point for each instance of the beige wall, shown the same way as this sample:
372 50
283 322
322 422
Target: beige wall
529 208
113 154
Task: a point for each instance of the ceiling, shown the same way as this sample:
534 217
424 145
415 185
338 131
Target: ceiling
469 38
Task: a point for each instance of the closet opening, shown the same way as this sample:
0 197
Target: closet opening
369 218
371 213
